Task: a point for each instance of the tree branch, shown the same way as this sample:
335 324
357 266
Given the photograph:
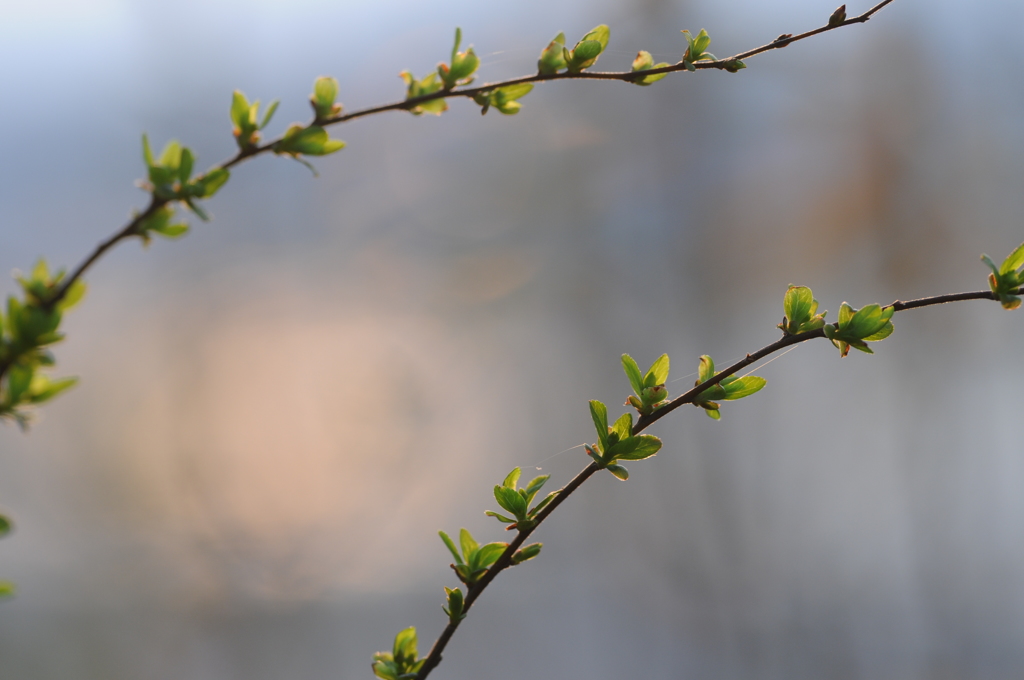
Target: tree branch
624 76
688 397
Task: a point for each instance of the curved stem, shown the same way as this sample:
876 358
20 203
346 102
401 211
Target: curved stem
624 76
688 397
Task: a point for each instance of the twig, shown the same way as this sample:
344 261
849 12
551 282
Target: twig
689 397
624 76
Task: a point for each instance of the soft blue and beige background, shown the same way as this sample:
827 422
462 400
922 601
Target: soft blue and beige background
278 412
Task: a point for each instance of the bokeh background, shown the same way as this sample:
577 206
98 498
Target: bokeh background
278 412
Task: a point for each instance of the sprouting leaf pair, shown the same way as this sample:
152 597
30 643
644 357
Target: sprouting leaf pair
801 312
618 442
650 389
645 62
325 91
857 327
462 68
517 501
1006 281
170 179
729 389
402 662
504 99
475 559
245 117
446 77
556 56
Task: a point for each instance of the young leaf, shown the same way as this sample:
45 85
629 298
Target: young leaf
527 553
469 546
658 373
552 59
599 413
451 547
512 478
743 387
635 448
619 471
645 62
1013 261
633 373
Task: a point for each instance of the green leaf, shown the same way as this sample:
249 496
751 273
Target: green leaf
147 153
991 265
1013 261
599 414
488 554
658 373
451 547
171 230
6 589
170 158
510 500
210 183
271 109
5 526
706 371
512 478
325 91
500 517
19 377
619 471
535 485
185 169
881 334
645 62
713 413
310 141
623 427
240 111
635 448
551 57
743 387
799 305
527 553
405 644
846 312
467 543
456 604
601 34
633 373
43 389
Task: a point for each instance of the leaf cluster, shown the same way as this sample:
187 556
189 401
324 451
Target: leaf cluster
245 116
504 99
27 329
462 68
650 391
556 56
402 662
730 388
517 501
1006 280
618 442
474 559
857 327
170 179
801 312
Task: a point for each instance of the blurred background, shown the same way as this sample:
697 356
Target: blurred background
278 412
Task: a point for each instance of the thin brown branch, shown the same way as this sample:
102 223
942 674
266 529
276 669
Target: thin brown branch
407 104
688 397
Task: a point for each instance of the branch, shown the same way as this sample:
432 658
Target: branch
131 229
689 397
